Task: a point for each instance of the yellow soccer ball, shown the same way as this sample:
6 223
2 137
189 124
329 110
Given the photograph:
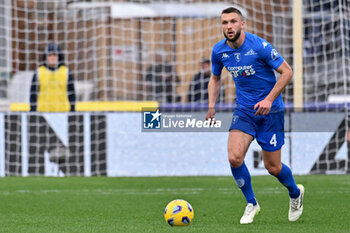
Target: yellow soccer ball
178 213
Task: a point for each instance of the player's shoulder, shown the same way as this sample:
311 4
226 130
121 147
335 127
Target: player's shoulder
219 46
260 45
256 41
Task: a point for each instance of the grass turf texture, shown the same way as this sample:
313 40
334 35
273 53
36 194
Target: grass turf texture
102 204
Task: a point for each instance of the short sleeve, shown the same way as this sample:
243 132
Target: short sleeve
269 55
216 64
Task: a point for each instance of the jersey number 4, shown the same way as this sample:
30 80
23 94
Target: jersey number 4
273 140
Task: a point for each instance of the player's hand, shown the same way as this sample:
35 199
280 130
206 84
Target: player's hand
210 115
263 107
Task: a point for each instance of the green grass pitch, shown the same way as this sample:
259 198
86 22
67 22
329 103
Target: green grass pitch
102 204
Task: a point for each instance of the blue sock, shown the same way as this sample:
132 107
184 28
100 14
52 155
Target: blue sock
243 180
286 178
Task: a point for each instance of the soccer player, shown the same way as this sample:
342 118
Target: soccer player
260 109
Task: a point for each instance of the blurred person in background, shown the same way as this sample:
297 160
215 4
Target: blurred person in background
52 88
161 80
198 91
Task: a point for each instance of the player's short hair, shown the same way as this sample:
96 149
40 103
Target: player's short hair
233 10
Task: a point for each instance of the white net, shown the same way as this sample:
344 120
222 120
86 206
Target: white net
151 50
326 49
135 50
326 72
54 145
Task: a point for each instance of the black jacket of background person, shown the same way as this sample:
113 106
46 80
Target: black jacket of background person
163 87
34 89
199 88
198 92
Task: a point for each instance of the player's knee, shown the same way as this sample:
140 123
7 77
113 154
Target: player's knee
273 170
235 160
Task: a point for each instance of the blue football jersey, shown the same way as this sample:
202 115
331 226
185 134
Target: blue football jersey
252 67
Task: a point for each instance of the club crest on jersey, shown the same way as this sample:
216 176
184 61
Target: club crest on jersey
237 57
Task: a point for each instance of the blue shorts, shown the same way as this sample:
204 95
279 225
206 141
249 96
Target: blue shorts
267 129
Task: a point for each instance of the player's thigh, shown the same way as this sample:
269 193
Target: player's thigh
272 161
238 144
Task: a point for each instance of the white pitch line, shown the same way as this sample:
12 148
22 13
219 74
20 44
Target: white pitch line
157 191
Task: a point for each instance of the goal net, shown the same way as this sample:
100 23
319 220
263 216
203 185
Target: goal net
154 50
135 50
326 76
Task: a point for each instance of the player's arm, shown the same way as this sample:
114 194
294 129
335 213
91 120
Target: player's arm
214 82
264 106
213 93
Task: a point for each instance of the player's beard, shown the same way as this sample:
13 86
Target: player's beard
235 38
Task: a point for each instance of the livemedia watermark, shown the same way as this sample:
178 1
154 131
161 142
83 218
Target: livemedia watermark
157 121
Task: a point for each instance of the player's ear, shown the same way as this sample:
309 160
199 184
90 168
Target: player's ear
243 24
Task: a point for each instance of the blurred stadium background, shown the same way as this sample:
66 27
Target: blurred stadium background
109 45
